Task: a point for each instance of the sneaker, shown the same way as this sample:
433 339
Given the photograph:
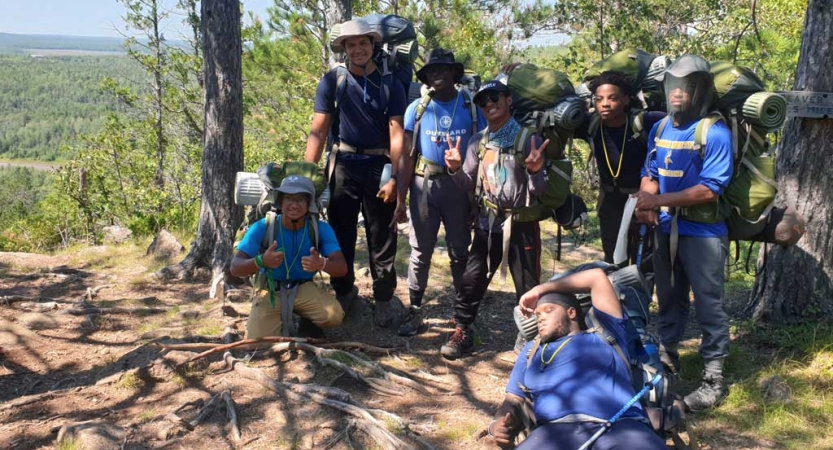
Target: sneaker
520 342
670 360
307 329
461 343
389 313
413 322
709 394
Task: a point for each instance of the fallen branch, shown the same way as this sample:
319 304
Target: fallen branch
114 310
37 397
273 339
9 299
231 413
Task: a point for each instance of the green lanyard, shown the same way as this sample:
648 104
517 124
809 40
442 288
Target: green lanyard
297 247
552 358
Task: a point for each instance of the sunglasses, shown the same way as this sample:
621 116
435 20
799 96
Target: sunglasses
488 97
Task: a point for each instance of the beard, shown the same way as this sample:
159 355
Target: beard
558 331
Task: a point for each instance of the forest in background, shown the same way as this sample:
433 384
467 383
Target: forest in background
128 129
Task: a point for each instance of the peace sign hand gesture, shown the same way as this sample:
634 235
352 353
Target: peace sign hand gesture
453 159
535 160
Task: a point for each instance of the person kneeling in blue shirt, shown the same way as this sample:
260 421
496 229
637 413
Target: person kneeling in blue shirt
575 380
293 261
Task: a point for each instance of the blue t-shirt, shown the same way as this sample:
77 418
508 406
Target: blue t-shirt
677 166
362 120
454 120
587 378
295 244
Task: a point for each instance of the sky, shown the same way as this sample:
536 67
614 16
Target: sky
82 17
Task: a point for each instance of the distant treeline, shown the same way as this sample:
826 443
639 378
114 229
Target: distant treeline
22 43
48 102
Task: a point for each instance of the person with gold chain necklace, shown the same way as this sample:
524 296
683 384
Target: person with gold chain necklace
619 146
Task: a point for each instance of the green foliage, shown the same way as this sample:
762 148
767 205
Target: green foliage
49 102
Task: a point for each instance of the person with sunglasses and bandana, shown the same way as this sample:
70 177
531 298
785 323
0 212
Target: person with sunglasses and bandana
435 198
517 182
366 120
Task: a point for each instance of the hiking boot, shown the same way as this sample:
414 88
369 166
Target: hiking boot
670 360
307 329
352 305
412 324
389 313
709 394
461 343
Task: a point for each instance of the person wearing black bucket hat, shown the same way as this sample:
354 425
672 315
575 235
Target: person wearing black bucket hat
444 112
680 180
574 380
365 110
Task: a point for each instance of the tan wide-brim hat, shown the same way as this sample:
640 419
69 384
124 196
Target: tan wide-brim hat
356 27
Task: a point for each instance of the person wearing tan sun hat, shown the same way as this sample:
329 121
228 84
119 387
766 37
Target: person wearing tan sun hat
364 122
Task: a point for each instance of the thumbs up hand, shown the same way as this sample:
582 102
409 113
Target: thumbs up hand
453 158
314 262
535 159
502 431
273 256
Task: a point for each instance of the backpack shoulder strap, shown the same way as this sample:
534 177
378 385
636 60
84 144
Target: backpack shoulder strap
661 127
271 219
341 84
468 103
313 232
593 126
421 107
521 139
536 344
702 131
638 126
599 331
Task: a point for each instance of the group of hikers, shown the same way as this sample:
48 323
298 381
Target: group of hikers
568 382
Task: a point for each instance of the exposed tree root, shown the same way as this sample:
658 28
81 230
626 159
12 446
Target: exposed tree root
231 413
331 397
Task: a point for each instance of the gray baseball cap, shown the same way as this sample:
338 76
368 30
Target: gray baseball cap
296 184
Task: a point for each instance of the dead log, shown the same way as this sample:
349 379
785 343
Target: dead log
231 413
9 299
114 310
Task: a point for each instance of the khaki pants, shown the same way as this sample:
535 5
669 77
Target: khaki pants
312 302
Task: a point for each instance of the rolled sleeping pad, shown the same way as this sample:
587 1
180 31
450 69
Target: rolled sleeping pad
784 227
657 67
767 109
569 113
248 189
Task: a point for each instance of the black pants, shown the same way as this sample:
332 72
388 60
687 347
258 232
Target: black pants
524 264
611 209
354 187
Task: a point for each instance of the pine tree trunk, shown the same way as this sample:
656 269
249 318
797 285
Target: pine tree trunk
223 138
337 11
796 282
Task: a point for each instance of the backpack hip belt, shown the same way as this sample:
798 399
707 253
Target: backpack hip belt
428 169
347 148
618 190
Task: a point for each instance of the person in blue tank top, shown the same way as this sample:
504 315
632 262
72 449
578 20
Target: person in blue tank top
291 260
444 113
690 253
575 380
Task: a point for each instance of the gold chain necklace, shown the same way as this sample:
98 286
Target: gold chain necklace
621 153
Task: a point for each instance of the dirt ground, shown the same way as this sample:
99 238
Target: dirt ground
89 361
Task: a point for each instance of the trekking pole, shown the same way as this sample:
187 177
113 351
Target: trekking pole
643 230
648 386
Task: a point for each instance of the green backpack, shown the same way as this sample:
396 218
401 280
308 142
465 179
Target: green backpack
751 114
639 67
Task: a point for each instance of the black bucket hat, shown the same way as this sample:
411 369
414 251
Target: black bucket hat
441 57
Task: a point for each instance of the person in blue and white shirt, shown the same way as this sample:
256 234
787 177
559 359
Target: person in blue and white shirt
680 187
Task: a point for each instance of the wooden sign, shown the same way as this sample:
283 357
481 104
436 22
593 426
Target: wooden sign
814 105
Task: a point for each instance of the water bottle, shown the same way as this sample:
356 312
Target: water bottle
385 176
324 199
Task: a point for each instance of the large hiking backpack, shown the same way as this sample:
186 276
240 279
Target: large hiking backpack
641 355
639 67
258 192
748 202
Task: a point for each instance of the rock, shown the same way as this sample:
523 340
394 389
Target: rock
165 245
775 390
115 234
91 435
38 321
239 295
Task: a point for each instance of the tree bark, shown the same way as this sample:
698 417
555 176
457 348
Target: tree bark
222 137
796 281
337 11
